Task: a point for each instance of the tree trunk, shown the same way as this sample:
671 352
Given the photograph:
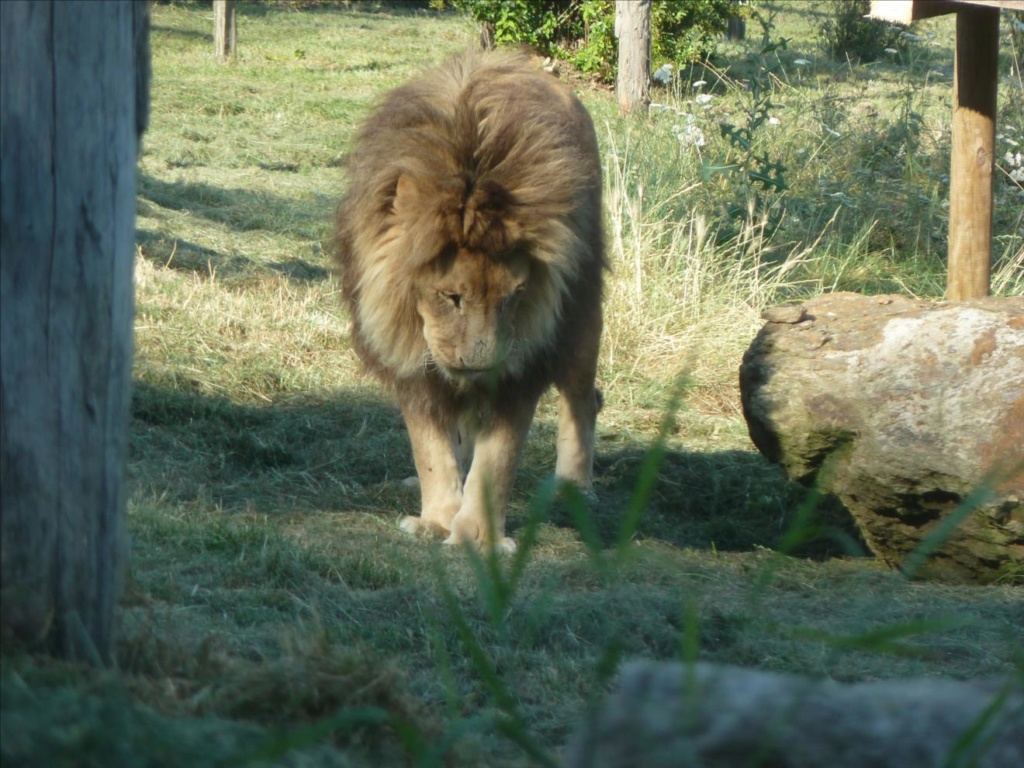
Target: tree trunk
224 30
633 28
912 413
73 103
736 26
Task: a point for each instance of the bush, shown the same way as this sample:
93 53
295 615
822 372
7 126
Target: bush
583 31
846 33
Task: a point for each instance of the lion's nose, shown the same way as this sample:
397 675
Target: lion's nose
479 357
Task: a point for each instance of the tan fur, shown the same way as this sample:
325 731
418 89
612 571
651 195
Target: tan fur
471 254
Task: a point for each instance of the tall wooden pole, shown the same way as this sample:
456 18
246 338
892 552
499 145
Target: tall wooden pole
633 28
73 101
974 130
225 33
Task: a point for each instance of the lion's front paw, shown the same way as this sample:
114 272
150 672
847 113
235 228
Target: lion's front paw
504 545
417 526
467 530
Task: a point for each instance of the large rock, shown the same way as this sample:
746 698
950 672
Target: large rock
908 411
666 715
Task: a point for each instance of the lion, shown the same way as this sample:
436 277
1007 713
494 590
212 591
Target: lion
471 255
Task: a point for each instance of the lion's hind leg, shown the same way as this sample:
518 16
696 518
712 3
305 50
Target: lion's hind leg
577 430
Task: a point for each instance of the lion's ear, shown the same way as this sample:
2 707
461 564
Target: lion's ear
406 195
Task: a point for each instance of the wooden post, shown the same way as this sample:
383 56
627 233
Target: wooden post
224 30
73 101
974 130
633 28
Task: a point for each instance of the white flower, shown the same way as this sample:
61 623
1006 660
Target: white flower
663 74
774 121
700 83
891 51
689 135
911 37
703 98
656 107
801 62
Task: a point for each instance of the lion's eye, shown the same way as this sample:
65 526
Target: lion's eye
520 288
454 299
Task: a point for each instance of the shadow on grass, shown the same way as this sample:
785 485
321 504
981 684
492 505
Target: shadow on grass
162 29
243 210
348 451
400 8
724 501
187 256
319 452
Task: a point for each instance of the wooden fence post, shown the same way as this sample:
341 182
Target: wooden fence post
633 28
73 101
225 35
974 132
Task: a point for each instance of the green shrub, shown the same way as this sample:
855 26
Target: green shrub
583 31
847 33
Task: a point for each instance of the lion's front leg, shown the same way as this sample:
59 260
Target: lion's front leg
434 453
481 519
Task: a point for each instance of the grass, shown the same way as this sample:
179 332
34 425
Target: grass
273 613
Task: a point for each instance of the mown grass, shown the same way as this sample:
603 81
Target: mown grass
273 613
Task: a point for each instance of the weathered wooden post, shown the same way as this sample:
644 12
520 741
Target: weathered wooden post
633 28
973 153
975 81
73 102
225 34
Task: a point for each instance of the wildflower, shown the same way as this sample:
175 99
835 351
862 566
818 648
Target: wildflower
700 83
663 74
774 120
704 98
801 62
689 135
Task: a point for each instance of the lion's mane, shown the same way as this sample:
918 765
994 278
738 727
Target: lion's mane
502 156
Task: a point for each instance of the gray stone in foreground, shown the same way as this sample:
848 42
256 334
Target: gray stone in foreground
671 715
903 409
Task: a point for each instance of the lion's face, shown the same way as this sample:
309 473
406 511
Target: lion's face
468 302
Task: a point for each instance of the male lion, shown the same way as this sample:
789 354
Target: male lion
471 255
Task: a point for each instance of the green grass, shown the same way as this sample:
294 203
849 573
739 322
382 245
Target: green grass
273 612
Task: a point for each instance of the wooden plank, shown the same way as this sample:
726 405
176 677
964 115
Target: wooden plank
70 111
906 11
971 162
